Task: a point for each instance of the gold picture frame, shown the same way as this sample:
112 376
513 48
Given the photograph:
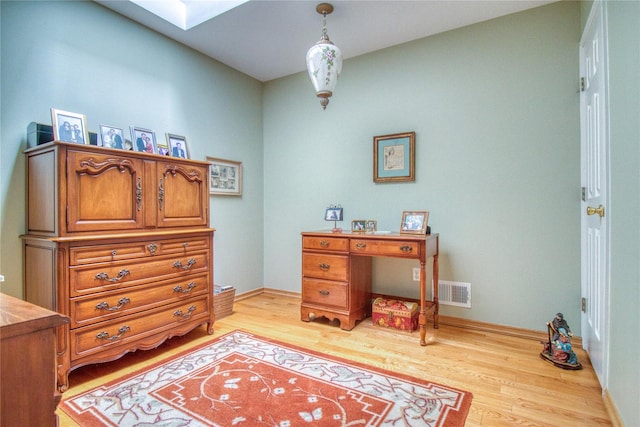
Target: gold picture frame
359 226
69 127
414 222
394 157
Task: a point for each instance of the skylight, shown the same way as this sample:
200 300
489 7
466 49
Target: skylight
186 14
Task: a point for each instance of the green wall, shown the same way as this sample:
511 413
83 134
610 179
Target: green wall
495 108
78 56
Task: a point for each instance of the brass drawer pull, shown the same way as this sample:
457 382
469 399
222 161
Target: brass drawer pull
152 248
324 293
324 267
406 248
361 245
121 275
324 244
190 264
190 310
139 194
105 305
190 287
185 245
105 335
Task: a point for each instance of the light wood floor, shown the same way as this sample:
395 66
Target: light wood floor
511 385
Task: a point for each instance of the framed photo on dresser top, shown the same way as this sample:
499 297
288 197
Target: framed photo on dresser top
112 137
144 140
69 127
178 146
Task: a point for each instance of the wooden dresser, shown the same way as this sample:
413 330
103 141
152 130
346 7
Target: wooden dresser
28 363
119 242
336 273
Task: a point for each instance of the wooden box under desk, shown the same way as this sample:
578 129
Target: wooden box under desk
336 273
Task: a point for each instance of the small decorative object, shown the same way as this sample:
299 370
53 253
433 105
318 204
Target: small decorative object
414 222
69 127
372 226
163 149
359 225
225 177
557 350
112 137
178 146
394 157
392 313
324 60
223 297
144 140
334 213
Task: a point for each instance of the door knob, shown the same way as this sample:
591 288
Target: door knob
599 210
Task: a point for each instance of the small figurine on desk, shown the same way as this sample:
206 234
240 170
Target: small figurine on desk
558 350
334 213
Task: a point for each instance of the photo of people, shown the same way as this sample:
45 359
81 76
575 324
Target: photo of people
178 146
144 140
112 137
68 127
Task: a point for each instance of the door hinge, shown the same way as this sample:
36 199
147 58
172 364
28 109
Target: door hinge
581 84
584 194
584 305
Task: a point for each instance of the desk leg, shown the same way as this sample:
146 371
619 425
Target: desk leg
422 319
436 303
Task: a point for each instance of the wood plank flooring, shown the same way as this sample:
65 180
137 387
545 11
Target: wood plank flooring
511 385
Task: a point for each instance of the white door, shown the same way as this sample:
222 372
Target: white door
594 147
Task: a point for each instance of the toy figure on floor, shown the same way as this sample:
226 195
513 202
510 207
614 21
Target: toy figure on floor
558 349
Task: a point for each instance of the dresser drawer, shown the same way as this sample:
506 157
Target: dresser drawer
125 251
395 248
325 243
108 276
322 266
324 292
127 330
121 302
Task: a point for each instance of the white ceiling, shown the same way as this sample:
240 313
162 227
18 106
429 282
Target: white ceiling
268 39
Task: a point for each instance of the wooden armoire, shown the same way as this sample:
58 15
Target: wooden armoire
120 242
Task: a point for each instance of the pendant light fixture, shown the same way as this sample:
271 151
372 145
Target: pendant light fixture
324 60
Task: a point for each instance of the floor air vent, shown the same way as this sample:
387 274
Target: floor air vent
454 293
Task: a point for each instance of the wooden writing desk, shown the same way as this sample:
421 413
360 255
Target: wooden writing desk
336 273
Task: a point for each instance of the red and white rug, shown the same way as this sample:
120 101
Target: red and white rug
240 379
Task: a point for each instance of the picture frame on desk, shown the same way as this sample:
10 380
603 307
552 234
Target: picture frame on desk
414 222
69 127
225 177
394 157
358 225
371 226
178 146
333 214
144 140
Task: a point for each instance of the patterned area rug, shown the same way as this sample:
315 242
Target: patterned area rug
240 379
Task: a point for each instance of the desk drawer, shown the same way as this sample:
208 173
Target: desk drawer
331 267
325 243
324 292
395 248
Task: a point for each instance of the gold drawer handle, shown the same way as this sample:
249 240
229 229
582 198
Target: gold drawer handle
406 248
121 275
139 194
105 305
190 287
105 335
361 245
324 244
190 264
324 293
190 310
324 267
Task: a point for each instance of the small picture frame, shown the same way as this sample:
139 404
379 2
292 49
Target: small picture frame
394 157
333 214
414 222
143 140
112 137
225 177
359 225
178 146
69 127
163 149
371 226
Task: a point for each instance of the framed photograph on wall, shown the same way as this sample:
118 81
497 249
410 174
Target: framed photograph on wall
225 177
394 157
144 140
178 146
414 222
69 127
358 225
112 137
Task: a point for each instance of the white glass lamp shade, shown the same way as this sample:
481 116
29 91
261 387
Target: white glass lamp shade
324 64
